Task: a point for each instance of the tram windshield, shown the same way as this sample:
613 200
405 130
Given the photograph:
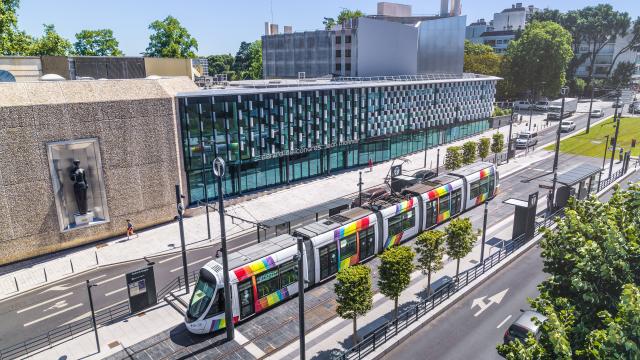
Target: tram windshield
202 294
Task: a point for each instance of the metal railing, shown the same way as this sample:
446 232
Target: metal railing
391 328
68 332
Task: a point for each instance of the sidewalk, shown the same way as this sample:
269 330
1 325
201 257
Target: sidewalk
164 239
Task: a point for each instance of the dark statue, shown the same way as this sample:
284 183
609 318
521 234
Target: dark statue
80 185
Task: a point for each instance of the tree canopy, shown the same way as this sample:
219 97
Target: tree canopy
591 296
170 39
481 59
99 42
539 59
460 239
396 266
484 144
51 43
431 250
353 293
453 158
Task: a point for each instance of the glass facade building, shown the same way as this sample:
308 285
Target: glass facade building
272 136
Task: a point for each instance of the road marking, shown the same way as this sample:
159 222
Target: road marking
168 259
495 299
58 305
44 302
51 315
250 347
503 321
111 279
191 263
115 291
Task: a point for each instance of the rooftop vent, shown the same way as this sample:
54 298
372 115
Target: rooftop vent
51 77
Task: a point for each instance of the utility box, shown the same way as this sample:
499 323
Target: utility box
524 220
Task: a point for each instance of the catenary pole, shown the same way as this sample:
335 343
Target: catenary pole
180 209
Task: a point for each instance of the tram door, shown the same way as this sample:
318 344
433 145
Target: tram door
432 213
245 290
328 260
456 202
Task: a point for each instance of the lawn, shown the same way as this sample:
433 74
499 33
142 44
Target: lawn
592 144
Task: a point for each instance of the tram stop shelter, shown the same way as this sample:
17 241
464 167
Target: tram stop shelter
282 224
577 182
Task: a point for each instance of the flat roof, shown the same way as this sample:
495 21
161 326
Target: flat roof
258 251
293 85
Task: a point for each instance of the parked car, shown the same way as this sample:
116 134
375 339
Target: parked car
634 108
522 105
523 326
596 113
526 139
567 125
542 105
370 194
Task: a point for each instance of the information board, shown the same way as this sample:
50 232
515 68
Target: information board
141 287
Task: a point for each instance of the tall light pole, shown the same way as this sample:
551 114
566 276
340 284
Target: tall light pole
180 209
218 170
564 90
510 130
206 194
426 146
590 108
484 230
93 313
606 145
360 189
616 118
300 258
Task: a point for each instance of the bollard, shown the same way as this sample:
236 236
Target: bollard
16 281
96 252
45 274
71 262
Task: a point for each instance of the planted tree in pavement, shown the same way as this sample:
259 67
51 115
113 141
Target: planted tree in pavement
469 150
460 240
453 158
430 249
484 146
497 145
353 294
396 266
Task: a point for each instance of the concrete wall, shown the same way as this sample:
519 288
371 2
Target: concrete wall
385 48
56 65
284 55
168 67
441 45
23 68
127 117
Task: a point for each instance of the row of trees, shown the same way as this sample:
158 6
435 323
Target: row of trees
592 296
168 39
457 156
354 293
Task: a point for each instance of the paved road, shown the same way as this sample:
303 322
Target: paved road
50 306
466 332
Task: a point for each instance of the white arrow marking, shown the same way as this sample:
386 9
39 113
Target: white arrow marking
495 299
61 287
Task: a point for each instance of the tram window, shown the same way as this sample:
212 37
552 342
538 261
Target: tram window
348 247
474 192
217 305
367 240
444 204
456 202
267 283
288 273
328 260
402 222
432 215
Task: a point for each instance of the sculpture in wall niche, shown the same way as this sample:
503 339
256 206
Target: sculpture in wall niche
80 186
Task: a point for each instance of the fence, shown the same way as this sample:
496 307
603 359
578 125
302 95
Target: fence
391 328
67 332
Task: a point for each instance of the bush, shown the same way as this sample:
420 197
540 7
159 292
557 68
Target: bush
453 158
469 152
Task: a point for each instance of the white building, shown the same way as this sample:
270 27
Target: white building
500 31
604 59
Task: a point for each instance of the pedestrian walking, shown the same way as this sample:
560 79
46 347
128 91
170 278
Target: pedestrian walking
621 153
130 231
370 165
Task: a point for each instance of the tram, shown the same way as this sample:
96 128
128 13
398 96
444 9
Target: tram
266 274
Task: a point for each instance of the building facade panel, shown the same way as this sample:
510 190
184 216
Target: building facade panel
274 137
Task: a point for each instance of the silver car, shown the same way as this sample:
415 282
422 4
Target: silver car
523 326
596 113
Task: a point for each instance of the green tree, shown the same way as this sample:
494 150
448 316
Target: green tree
469 150
497 144
460 240
481 59
344 15
353 294
255 60
453 158
170 39
431 250
220 64
99 42
51 43
484 146
539 59
396 266
621 76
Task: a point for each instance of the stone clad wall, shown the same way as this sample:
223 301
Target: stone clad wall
134 122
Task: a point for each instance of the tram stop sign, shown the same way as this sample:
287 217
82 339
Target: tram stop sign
218 167
141 287
396 170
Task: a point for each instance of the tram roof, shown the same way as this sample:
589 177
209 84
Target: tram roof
333 222
260 250
426 186
472 168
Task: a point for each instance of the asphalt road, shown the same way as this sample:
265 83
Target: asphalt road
476 323
40 310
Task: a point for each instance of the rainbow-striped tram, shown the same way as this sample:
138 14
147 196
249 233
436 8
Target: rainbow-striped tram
265 274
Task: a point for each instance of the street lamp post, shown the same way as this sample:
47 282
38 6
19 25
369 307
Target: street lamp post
93 313
206 194
484 230
590 108
510 130
300 256
360 189
438 163
616 118
426 142
180 209
606 145
563 91
218 170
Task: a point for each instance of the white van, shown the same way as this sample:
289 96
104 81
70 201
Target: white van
522 105
526 139
542 105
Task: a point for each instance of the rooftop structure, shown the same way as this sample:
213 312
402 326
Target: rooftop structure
501 30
